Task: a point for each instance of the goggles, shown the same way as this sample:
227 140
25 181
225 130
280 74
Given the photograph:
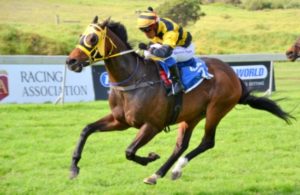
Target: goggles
146 29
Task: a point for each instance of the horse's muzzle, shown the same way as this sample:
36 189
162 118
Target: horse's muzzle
292 56
75 65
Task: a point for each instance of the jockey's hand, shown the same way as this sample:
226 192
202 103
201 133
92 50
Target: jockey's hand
147 54
143 46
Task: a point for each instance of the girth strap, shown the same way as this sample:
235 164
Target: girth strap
176 109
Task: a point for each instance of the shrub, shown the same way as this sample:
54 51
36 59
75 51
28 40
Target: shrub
181 11
256 4
270 4
13 41
234 2
292 4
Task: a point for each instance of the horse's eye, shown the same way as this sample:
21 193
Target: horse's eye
91 39
94 39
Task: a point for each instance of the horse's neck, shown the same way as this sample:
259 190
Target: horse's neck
128 67
131 69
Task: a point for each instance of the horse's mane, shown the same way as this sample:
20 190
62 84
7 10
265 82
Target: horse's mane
120 30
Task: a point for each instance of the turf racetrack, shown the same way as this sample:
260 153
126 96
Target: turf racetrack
255 153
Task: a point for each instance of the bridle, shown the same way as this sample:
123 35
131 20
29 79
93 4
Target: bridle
97 52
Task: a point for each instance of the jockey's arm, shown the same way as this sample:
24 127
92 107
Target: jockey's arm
162 52
169 42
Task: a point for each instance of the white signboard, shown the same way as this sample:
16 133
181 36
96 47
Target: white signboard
43 83
251 72
257 76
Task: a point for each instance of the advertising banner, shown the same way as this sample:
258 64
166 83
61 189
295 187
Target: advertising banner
101 82
256 75
43 83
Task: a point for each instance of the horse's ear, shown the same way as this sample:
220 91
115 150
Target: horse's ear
95 20
105 22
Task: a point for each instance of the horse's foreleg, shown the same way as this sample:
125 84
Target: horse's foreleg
145 134
107 123
184 134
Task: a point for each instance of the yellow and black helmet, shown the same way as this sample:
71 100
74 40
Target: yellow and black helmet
147 18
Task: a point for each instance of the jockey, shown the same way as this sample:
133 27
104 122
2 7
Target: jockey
168 41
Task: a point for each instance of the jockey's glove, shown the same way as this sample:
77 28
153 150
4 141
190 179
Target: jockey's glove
143 46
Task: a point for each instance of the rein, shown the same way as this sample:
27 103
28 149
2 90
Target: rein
116 85
112 84
94 59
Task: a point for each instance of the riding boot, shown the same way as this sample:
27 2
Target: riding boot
176 81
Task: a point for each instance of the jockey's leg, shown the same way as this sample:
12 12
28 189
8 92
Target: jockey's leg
177 85
179 54
176 81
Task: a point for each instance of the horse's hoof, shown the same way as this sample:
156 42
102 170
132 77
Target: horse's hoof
74 172
176 175
153 156
151 180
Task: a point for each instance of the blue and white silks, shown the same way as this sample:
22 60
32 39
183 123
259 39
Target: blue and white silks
193 71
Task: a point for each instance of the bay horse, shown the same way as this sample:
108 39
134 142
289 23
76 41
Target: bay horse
294 51
138 99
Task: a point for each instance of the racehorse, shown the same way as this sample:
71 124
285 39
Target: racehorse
138 99
294 51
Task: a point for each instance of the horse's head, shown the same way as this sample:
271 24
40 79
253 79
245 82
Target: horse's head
294 52
91 47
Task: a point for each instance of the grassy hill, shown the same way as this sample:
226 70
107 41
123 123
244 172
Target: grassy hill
53 26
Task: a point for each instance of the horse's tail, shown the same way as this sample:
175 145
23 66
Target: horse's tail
263 103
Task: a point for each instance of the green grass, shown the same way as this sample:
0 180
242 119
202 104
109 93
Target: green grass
224 29
228 29
255 152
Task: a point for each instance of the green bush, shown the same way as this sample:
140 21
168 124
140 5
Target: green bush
181 11
292 4
13 41
234 2
270 4
256 4
259 4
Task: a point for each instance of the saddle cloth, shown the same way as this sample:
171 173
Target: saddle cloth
193 72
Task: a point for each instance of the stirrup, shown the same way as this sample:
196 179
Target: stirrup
176 89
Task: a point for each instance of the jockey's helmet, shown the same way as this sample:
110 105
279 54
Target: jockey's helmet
146 19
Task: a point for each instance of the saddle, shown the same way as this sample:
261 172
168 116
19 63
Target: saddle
193 72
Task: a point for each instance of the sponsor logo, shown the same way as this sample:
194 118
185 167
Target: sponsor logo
197 68
3 84
251 72
104 79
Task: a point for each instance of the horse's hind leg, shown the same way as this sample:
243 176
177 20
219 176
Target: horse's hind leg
107 123
213 118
